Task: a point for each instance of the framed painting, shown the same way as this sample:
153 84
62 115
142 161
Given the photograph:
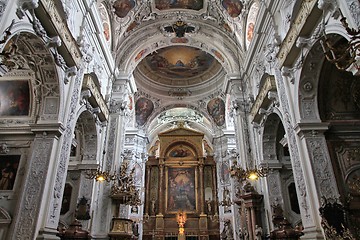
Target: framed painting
8 168
181 194
14 98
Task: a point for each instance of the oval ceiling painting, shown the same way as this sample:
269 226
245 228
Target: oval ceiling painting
171 4
106 23
179 62
250 24
216 109
233 7
123 7
143 108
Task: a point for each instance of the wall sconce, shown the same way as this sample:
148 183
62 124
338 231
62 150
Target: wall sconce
343 55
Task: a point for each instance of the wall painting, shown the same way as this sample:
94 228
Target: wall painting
8 166
106 23
216 109
250 23
180 151
14 98
171 4
143 108
181 189
233 7
123 7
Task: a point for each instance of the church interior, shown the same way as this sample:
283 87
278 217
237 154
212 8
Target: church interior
179 119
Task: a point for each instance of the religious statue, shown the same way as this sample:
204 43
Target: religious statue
227 233
209 208
153 206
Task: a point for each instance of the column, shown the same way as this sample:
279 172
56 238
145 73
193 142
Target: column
317 164
33 200
201 181
215 190
309 209
147 193
113 145
161 187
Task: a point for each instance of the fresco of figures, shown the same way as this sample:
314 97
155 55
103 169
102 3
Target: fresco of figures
143 108
14 98
216 109
184 4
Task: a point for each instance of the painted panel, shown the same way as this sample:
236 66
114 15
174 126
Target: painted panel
143 108
180 151
106 23
250 23
14 98
216 109
232 7
9 166
181 189
183 4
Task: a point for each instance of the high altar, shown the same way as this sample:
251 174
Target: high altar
180 177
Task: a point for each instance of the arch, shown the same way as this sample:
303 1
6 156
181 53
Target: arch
181 149
34 62
87 127
269 137
308 84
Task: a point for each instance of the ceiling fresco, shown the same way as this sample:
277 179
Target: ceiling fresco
123 7
177 65
233 7
182 4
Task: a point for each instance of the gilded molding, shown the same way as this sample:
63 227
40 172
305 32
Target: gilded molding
288 43
59 23
262 99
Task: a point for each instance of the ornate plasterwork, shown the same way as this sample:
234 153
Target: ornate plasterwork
301 187
30 204
3 4
354 7
288 43
96 98
56 196
267 95
308 84
65 34
322 167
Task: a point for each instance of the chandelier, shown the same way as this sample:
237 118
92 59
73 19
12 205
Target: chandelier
99 175
343 54
251 173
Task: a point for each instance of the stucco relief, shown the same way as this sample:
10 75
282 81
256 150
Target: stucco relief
34 185
296 164
322 167
56 196
274 184
354 6
308 85
3 4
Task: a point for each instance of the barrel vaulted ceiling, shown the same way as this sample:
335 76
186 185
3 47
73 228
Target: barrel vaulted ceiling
179 52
